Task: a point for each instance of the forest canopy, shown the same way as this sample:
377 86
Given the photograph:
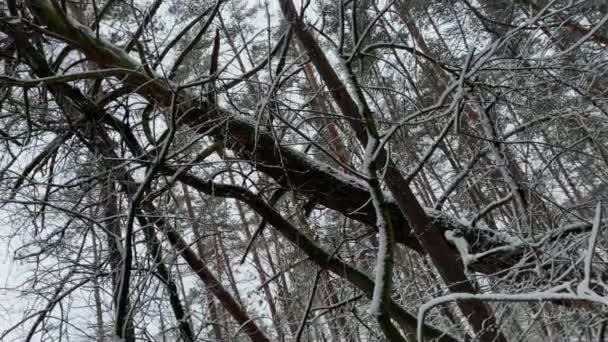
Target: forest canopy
282 170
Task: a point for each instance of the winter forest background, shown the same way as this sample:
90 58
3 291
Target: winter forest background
347 170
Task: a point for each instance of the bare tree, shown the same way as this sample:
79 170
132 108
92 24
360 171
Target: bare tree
348 171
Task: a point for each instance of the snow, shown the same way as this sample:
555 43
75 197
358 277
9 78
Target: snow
536 296
383 249
353 181
583 287
345 76
455 238
563 291
383 240
321 166
368 157
583 38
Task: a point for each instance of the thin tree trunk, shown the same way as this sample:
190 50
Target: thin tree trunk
154 246
200 268
96 292
261 273
114 241
217 332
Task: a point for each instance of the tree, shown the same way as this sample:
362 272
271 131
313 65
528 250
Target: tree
350 171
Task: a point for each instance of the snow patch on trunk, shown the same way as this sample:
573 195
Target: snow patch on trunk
383 247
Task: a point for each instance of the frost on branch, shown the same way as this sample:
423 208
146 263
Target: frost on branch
461 244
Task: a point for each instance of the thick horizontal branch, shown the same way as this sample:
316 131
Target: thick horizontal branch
6 80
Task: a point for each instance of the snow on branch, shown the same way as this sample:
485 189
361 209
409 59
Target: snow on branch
384 258
541 296
583 287
461 244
